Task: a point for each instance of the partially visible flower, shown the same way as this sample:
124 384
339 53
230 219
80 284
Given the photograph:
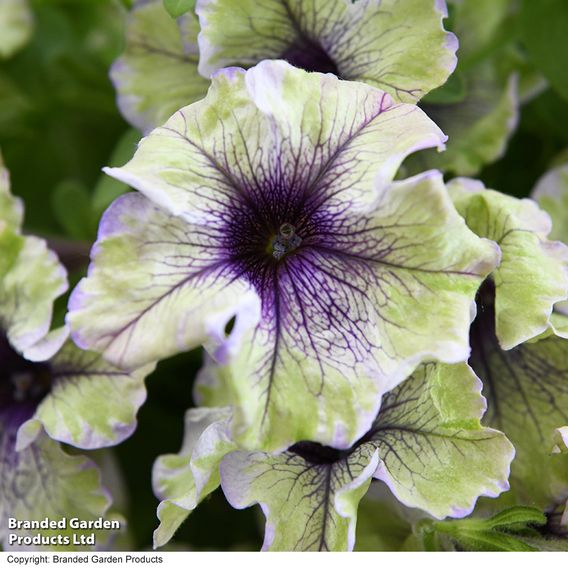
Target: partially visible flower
157 74
399 47
50 391
478 107
551 193
271 202
517 340
426 444
527 392
533 275
16 25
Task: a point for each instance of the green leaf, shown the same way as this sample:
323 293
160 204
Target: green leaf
517 516
453 91
505 531
72 207
495 542
544 24
177 8
107 188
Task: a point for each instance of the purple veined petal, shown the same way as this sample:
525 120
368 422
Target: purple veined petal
426 444
387 44
91 403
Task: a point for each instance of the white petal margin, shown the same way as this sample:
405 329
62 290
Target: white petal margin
92 404
183 480
31 278
561 440
11 208
153 288
426 444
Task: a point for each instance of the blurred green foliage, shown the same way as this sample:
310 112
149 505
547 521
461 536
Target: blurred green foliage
59 125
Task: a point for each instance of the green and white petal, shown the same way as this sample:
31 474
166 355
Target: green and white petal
181 481
269 119
151 272
533 275
16 26
426 444
157 73
388 44
272 410
527 394
11 208
481 114
91 404
551 193
561 440
32 279
308 506
435 455
44 481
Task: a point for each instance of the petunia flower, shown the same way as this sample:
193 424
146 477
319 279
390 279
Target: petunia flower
426 444
518 342
270 202
399 47
50 391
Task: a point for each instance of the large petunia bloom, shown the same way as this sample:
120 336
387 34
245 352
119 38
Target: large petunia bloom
399 47
426 444
50 391
518 340
270 202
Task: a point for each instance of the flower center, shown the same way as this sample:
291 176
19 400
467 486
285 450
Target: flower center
310 56
317 454
286 241
21 381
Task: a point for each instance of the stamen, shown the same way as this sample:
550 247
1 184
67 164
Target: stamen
286 241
